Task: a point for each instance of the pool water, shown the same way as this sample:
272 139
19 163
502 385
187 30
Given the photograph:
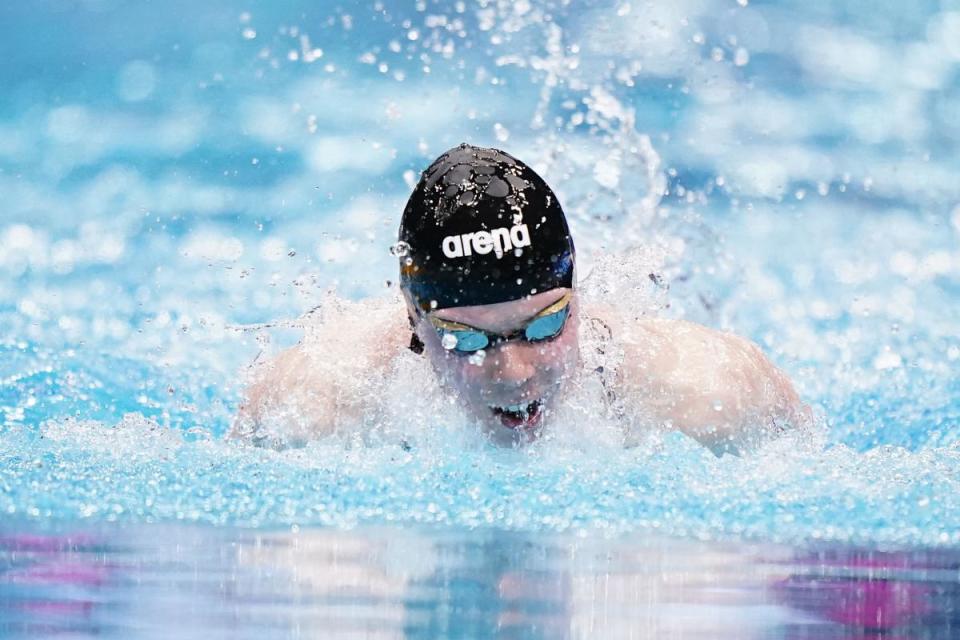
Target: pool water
187 582
181 185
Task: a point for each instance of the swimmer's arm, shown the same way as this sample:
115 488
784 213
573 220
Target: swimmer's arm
714 386
310 389
284 399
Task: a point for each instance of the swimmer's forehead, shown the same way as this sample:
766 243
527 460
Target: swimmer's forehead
502 316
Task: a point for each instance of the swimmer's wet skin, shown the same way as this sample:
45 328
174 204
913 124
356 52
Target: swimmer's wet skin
487 271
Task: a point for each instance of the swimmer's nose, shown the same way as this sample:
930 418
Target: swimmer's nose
512 364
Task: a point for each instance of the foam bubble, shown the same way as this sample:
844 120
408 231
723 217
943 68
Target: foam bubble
136 81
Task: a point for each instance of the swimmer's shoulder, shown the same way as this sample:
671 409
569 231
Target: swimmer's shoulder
624 327
340 338
377 323
652 332
711 384
691 357
349 341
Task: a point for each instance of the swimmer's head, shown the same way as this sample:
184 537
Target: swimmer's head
486 259
482 228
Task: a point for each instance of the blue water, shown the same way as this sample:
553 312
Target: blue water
161 581
175 179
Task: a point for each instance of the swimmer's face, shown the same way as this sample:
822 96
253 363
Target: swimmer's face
512 384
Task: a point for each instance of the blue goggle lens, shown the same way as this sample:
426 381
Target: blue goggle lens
470 341
546 327
542 328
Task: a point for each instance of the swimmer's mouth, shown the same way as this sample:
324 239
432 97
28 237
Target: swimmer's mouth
519 416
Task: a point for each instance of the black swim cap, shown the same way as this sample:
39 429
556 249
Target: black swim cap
479 228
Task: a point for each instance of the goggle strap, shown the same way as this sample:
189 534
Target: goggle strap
416 344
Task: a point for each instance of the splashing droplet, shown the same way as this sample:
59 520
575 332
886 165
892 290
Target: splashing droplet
448 341
400 250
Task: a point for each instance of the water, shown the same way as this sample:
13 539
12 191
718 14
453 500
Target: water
180 185
390 583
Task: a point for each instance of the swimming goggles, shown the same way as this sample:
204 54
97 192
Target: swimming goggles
465 339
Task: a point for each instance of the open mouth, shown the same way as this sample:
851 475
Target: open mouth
519 416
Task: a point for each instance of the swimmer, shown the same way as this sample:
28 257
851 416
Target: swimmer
487 273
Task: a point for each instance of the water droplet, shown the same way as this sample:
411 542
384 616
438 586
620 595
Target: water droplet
887 360
249 34
400 249
477 358
448 341
741 57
